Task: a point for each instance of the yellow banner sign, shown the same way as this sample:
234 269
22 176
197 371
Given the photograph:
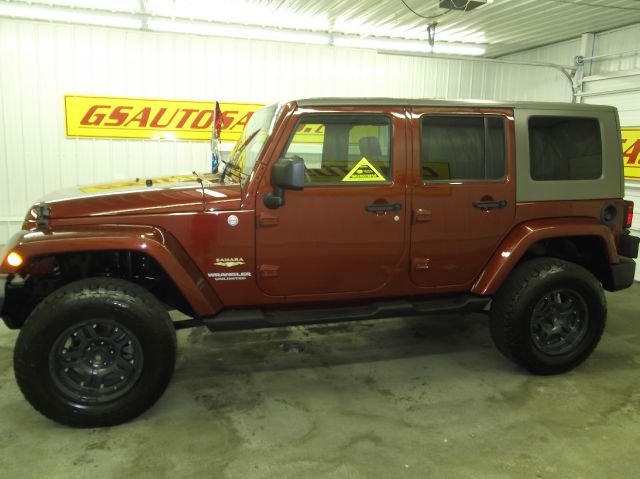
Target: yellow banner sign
147 119
631 152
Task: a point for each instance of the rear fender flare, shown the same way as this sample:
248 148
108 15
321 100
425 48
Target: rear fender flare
523 236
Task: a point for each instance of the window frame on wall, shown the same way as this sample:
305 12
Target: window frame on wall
384 119
563 118
467 115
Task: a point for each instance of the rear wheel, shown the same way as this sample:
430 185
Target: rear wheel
96 352
548 316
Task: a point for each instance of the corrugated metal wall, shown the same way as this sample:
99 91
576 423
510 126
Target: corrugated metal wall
562 53
614 80
41 62
611 76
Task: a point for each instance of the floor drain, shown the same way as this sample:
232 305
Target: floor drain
292 347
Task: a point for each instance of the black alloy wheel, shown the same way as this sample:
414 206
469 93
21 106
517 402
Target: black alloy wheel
96 352
96 361
559 322
548 316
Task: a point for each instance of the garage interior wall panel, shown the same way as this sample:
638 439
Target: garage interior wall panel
562 53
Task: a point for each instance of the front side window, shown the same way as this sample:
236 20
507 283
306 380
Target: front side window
462 147
564 148
343 149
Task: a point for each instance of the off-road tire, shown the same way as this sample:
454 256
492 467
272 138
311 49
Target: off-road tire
512 314
115 302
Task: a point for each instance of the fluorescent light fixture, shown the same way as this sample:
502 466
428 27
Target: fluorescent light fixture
68 16
398 45
360 28
128 6
242 12
383 44
231 31
458 49
218 29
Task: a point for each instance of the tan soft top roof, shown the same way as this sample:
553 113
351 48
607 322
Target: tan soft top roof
356 101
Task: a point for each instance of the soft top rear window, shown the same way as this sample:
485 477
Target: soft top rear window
564 148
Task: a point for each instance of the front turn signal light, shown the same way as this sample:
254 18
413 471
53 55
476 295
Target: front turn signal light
14 259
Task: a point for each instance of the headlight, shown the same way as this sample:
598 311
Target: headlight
14 259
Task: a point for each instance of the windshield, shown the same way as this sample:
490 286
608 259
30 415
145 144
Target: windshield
247 149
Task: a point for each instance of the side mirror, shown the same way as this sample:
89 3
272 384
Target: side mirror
287 174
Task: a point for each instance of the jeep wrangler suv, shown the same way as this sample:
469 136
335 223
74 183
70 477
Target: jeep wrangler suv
327 210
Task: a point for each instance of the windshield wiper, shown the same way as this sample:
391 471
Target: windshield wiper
231 167
231 162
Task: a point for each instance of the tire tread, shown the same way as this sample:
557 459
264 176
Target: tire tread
37 324
505 320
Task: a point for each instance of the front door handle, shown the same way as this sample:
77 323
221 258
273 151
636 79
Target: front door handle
378 208
490 204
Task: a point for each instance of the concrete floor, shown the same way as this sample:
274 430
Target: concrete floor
381 399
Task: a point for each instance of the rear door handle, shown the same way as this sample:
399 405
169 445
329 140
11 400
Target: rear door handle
377 208
490 204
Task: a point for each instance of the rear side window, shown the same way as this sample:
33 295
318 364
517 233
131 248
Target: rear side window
462 147
343 149
564 148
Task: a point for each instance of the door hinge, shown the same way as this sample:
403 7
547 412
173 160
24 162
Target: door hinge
421 264
265 219
268 270
421 216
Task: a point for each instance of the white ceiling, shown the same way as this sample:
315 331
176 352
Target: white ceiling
502 26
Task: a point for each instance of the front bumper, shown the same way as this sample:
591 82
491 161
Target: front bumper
10 302
3 284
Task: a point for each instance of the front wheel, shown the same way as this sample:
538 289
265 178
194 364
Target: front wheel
96 352
548 316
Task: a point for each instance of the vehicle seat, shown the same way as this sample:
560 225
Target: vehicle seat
370 148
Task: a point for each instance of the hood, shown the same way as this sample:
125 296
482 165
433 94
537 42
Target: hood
172 194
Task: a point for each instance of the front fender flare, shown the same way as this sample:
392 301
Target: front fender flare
155 242
523 236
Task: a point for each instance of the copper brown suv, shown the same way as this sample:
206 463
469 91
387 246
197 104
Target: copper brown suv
327 210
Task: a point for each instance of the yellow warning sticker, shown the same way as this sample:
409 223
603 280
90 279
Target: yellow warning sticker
364 171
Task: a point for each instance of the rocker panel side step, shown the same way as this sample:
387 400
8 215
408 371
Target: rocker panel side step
236 319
